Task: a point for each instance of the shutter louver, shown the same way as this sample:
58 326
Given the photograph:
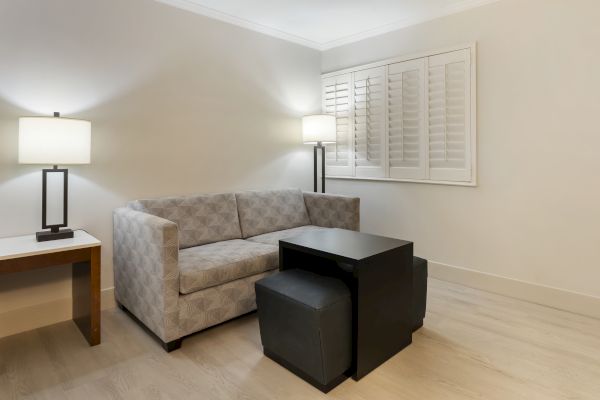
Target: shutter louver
336 101
449 117
369 122
406 120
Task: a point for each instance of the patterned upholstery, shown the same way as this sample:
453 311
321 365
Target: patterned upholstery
208 307
217 263
271 210
201 219
155 258
146 273
273 238
333 211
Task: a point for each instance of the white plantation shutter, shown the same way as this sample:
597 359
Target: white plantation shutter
449 116
406 120
369 122
337 101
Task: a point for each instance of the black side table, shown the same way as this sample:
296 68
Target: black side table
378 271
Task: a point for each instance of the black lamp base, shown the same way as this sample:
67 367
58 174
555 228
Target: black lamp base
45 236
316 148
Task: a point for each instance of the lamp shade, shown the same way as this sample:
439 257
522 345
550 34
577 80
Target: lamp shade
54 140
318 128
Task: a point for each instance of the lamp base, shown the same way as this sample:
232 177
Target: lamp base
44 236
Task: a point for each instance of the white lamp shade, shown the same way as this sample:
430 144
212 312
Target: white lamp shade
54 140
318 128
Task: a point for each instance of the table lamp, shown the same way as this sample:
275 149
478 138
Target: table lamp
54 141
319 130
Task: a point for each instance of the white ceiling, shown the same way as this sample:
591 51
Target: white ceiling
323 24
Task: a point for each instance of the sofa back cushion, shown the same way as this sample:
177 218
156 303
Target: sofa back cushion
271 210
201 219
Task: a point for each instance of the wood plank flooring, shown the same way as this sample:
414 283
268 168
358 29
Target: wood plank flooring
475 345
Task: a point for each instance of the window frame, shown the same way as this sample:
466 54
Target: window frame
472 48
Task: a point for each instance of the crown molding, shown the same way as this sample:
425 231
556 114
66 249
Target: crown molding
191 6
405 23
241 22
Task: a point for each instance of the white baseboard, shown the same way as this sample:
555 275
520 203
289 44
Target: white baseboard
36 316
27 318
561 299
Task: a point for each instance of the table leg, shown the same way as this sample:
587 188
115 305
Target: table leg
86 296
382 298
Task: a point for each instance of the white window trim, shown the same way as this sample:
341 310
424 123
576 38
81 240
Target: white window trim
472 47
425 181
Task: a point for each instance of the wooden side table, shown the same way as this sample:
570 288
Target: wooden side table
24 253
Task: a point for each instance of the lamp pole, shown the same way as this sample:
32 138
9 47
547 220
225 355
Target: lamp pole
318 146
317 130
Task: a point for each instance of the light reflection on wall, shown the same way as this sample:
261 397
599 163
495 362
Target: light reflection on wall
180 104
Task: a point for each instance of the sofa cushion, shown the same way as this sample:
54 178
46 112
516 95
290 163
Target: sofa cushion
213 264
273 238
271 210
211 306
201 219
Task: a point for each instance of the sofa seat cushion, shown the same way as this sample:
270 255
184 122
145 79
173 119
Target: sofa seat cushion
273 238
270 211
211 306
214 264
201 219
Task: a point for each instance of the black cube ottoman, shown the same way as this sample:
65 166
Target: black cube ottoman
419 291
306 325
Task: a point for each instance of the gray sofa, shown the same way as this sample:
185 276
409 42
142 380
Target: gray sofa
183 264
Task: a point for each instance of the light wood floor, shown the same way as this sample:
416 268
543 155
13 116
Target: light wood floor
474 345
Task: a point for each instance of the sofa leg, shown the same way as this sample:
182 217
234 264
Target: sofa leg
172 345
168 346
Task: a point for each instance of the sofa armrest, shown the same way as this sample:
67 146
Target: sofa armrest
145 259
333 211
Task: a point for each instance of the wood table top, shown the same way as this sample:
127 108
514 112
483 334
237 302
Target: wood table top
344 243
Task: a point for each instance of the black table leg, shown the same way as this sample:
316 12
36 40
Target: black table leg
382 320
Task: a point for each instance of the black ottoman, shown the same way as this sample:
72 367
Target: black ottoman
419 291
306 325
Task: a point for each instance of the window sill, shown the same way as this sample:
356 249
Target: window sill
449 183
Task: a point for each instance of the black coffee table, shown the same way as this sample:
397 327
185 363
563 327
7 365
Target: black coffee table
378 271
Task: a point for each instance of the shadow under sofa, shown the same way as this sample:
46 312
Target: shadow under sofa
184 264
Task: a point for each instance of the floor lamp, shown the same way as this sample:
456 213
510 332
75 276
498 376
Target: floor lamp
54 141
319 130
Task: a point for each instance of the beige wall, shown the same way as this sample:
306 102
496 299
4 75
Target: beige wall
535 215
179 104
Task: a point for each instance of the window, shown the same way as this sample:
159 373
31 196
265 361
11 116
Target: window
336 101
406 119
